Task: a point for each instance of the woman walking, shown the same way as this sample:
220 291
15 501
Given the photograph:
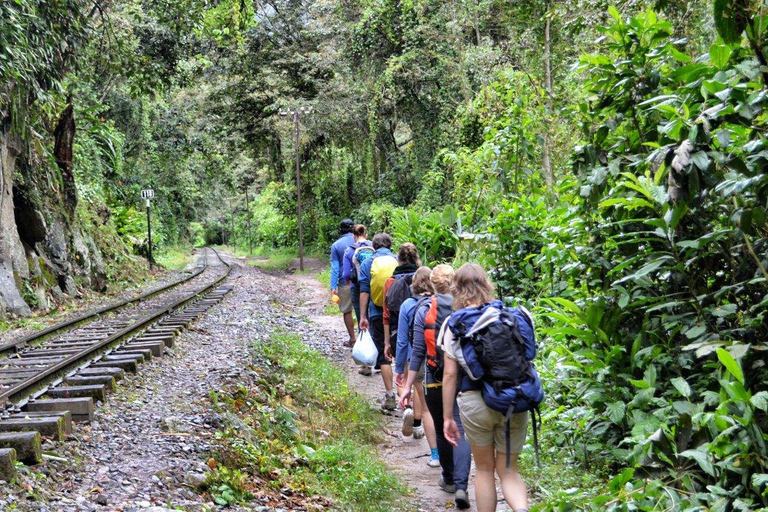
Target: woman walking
484 427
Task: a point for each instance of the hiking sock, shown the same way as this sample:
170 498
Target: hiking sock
433 453
416 423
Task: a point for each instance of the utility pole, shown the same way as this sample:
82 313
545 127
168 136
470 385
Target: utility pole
248 211
296 114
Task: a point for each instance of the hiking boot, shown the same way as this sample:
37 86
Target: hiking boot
462 499
390 401
433 462
365 370
418 432
408 422
451 488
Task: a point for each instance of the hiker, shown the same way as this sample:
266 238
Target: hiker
417 421
374 273
339 287
484 426
394 296
455 459
353 257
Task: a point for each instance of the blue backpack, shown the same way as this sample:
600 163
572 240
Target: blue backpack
496 345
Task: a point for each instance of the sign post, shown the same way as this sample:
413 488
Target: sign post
149 194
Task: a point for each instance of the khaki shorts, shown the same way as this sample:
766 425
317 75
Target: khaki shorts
345 304
484 426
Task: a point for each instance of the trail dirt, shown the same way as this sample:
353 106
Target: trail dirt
406 456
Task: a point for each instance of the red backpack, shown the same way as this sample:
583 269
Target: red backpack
440 308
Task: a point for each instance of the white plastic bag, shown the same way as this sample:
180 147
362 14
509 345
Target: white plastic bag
365 352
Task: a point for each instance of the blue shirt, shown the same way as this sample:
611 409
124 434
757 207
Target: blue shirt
337 254
419 353
403 353
365 280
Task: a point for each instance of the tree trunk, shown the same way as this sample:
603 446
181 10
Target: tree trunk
549 176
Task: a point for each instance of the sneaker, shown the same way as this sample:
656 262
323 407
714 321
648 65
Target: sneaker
418 432
433 462
390 401
462 499
365 370
451 488
408 422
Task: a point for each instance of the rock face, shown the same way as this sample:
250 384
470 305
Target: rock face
44 254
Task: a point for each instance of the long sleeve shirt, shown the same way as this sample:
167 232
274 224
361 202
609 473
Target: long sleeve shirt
337 254
403 353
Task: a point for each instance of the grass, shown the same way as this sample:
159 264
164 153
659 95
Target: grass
305 430
174 257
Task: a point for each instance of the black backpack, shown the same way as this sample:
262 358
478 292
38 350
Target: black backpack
398 292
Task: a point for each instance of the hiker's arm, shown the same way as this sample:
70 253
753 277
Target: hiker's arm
419 351
402 339
450 373
405 393
334 270
365 292
364 310
385 322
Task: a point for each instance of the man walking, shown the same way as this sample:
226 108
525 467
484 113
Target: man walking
374 273
338 287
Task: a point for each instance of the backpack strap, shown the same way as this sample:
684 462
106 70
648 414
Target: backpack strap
534 412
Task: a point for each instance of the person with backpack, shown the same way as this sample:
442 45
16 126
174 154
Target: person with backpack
396 290
417 421
374 273
338 286
490 433
355 254
429 316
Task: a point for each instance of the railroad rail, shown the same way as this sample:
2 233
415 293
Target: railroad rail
39 336
59 380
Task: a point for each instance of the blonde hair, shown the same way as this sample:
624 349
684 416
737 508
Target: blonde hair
471 286
442 277
421 283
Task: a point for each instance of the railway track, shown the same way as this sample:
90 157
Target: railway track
57 376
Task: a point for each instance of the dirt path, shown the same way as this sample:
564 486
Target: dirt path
404 455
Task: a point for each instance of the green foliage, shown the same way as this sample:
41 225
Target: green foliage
435 234
666 177
302 428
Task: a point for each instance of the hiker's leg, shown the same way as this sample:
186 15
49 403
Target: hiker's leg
479 422
485 481
345 306
386 375
512 485
354 292
462 454
434 399
426 416
350 323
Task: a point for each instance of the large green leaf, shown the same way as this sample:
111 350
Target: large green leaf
730 364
